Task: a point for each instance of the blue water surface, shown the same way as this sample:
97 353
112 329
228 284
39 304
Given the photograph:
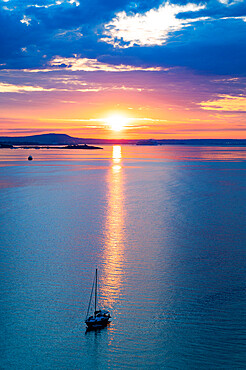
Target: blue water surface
166 228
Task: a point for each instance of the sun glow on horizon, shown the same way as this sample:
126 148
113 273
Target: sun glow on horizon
117 122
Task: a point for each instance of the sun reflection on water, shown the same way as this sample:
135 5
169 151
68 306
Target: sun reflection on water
116 155
112 275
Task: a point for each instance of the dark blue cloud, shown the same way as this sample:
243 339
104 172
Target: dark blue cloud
211 46
40 36
69 15
217 10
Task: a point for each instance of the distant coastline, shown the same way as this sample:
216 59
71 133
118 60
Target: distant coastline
51 141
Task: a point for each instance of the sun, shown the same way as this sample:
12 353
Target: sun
116 122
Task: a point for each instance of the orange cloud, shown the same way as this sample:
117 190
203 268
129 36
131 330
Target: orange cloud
226 103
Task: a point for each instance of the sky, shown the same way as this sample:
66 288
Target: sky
123 69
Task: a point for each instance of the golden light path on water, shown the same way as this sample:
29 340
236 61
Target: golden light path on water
111 277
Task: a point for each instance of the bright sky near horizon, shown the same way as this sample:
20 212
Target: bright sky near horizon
123 69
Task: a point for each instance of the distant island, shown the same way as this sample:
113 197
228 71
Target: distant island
53 140
84 146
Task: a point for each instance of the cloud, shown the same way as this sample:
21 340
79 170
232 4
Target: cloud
91 65
68 85
227 103
150 28
218 10
11 88
26 20
214 47
76 63
230 2
74 34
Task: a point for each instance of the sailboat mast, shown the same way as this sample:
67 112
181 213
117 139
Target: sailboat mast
96 294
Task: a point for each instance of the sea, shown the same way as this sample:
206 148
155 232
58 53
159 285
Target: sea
166 228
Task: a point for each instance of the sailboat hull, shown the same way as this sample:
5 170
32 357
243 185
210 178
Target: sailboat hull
100 319
96 323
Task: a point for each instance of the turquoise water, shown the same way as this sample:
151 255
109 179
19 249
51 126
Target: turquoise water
166 228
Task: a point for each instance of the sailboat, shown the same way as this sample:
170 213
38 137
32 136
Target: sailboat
100 318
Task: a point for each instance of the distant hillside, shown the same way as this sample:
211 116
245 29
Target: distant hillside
63 139
44 139
57 139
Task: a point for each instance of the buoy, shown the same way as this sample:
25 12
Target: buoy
30 158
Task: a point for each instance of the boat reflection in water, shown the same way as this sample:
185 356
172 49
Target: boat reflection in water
114 234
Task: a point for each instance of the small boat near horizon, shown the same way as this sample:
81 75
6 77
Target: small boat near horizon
100 318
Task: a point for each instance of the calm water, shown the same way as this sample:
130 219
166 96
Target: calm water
166 227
